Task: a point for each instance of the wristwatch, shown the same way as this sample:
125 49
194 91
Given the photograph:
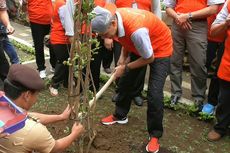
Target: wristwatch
127 69
190 16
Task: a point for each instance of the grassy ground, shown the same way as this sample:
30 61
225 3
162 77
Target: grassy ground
182 133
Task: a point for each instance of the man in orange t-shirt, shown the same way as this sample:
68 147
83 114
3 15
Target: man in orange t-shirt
221 26
215 49
148 5
142 33
62 33
189 32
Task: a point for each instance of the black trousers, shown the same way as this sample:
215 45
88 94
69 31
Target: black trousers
213 90
107 57
117 51
159 69
223 108
95 64
138 85
4 65
38 33
61 73
212 52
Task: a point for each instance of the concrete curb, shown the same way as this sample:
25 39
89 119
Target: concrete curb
46 51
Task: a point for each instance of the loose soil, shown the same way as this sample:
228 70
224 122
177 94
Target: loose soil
182 133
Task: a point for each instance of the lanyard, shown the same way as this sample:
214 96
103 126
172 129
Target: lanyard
134 4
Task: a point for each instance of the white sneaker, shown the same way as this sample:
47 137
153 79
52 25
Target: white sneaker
42 74
53 91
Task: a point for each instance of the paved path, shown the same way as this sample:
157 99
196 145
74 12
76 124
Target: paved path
23 35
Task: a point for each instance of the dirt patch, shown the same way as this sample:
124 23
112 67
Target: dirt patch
182 133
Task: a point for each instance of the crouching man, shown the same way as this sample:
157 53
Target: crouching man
22 86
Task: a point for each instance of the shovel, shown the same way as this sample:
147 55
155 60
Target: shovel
102 90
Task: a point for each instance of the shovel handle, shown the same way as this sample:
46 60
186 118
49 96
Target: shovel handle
102 90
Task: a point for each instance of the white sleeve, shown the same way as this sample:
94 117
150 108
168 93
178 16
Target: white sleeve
213 2
142 43
222 15
66 16
169 3
156 8
110 1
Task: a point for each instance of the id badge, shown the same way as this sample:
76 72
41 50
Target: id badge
134 5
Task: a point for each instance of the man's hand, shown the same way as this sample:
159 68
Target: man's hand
119 71
66 113
10 29
77 129
108 43
2 135
182 18
121 60
186 26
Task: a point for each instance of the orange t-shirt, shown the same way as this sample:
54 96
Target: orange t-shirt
141 4
185 6
100 3
57 34
224 68
40 11
159 33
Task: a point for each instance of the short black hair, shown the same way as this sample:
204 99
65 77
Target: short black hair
13 91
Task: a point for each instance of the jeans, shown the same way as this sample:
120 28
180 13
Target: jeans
7 46
10 50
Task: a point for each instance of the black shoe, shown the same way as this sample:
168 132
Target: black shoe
174 100
115 97
199 104
138 101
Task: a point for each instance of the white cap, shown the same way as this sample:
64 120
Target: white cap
102 20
